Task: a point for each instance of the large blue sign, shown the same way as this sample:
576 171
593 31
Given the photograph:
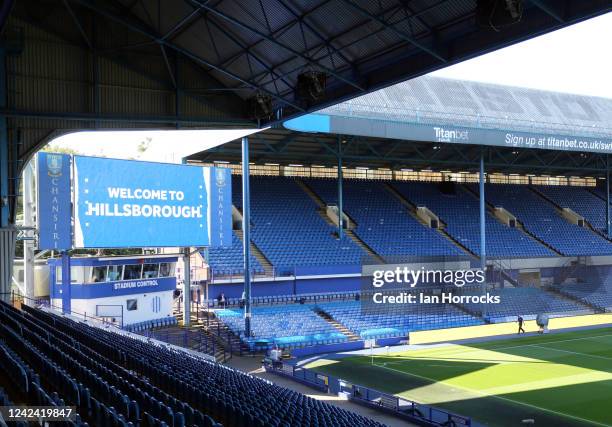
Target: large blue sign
54 211
123 203
220 206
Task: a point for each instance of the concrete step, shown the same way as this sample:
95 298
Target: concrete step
559 207
320 203
575 300
412 211
519 224
367 249
258 254
338 326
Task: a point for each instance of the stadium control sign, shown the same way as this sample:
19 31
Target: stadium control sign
445 133
125 203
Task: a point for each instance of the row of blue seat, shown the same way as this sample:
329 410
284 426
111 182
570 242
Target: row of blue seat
166 385
149 324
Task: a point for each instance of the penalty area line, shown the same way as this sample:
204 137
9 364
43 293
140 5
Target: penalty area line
493 396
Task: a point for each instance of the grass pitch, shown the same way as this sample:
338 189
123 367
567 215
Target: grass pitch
563 379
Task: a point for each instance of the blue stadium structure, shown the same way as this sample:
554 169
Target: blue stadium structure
440 173
290 230
458 209
544 221
380 219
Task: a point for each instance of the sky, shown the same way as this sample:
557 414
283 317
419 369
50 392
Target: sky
572 60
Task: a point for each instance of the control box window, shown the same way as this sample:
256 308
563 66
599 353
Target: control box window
150 271
132 272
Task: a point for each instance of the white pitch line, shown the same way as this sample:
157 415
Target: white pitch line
495 396
571 352
549 342
460 348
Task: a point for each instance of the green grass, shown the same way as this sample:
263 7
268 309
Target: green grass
563 379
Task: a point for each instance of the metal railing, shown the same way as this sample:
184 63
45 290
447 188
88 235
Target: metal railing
384 402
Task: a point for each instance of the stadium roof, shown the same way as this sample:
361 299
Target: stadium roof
386 129
472 105
149 64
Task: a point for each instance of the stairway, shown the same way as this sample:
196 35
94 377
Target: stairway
338 326
258 255
193 337
222 334
349 233
320 203
441 230
519 224
573 299
368 250
559 207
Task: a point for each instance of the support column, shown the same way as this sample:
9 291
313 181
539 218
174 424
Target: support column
608 195
340 201
7 235
483 228
187 287
28 221
4 147
246 235
66 284
481 192
7 252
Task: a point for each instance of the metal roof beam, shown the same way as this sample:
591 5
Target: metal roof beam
242 45
272 40
179 25
392 10
139 28
401 34
549 10
300 19
78 25
276 33
70 116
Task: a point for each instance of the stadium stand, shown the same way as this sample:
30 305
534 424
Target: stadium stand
527 302
118 380
286 326
544 222
599 296
580 200
594 287
149 324
397 321
287 228
382 222
226 261
460 212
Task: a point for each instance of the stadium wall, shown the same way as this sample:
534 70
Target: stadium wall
287 287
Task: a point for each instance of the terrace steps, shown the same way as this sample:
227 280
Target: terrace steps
371 254
575 300
193 337
350 233
338 326
519 225
441 230
267 266
222 333
559 207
